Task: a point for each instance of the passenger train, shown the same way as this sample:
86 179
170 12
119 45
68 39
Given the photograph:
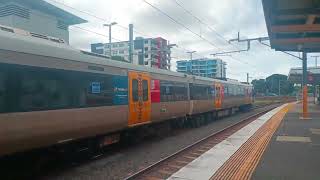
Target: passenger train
53 94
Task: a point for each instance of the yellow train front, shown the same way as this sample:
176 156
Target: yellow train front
52 95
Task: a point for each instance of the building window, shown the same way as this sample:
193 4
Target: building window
146 42
146 56
114 52
121 45
146 49
121 52
115 45
107 46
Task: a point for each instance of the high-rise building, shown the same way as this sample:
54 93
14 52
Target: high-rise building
152 52
38 17
212 68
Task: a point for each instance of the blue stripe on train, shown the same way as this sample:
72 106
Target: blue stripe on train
120 90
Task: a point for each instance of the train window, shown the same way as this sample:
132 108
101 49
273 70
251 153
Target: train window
226 90
242 90
145 90
173 91
99 92
135 90
25 88
238 91
201 92
234 90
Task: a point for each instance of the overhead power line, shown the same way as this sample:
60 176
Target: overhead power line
105 20
139 32
94 32
204 23
179 23
184 26
94 16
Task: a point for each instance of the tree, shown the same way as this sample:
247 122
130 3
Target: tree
278 83
259 86
272 84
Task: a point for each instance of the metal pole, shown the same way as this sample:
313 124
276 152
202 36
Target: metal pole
305 114
110 50
248 78
109 25
279 89
191 52
131 43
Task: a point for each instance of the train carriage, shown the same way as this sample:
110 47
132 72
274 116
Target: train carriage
53 94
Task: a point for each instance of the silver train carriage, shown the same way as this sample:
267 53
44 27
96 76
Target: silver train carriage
51 93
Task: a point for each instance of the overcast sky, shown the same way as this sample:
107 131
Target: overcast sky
226 17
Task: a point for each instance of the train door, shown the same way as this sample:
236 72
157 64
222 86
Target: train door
139 98
219 96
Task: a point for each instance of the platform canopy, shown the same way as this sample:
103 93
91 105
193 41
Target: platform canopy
295 75
293 25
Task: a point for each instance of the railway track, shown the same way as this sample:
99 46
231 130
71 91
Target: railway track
35 170
164 168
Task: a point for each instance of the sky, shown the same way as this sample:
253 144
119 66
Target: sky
221 20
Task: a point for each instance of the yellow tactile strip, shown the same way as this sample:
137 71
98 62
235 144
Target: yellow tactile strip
242 164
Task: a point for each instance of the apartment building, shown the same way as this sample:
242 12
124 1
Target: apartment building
212 68
152 52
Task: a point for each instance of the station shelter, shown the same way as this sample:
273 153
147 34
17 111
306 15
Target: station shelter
294 26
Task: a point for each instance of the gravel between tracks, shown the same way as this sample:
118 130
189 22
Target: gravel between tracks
122 164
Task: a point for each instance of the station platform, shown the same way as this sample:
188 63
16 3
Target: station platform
278 145
293 152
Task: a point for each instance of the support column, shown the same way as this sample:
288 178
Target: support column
131 43
305 114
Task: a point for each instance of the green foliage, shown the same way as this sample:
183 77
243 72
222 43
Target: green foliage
259 86
272 84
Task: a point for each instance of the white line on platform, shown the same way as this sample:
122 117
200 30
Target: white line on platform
205 166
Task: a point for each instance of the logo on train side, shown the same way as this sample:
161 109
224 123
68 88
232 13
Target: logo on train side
95 87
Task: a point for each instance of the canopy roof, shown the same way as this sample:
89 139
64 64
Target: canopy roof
295 75
293 25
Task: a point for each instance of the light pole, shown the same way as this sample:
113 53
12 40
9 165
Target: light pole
110 25
279 87
191 53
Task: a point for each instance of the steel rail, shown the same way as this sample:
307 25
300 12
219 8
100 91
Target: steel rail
176 154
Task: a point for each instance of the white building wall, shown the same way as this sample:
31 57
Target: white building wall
38 22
